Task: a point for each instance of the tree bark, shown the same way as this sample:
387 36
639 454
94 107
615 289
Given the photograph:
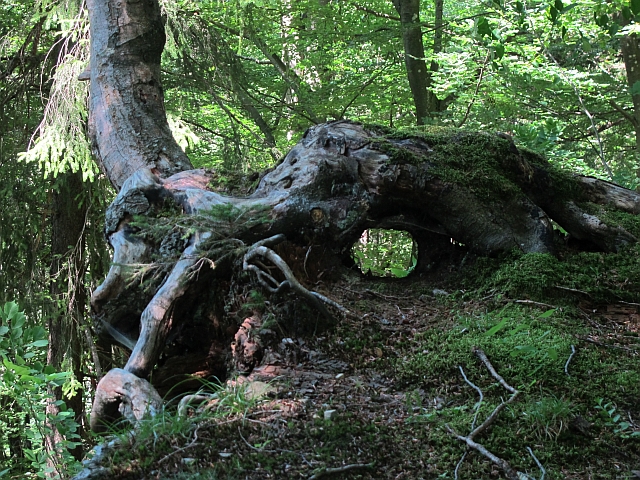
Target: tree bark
414 57
67 268
127 120
420 77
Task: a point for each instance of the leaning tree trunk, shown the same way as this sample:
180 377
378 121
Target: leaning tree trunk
339 180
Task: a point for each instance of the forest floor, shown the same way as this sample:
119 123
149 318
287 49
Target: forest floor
379 395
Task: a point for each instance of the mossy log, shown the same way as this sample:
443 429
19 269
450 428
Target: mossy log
177 243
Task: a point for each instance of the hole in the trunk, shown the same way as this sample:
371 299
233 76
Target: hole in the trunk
386 253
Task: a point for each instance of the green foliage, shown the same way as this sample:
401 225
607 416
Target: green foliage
385 253
615 421
480 162
60 142
548 416
533 274
156 438
549 73
24 380
223 224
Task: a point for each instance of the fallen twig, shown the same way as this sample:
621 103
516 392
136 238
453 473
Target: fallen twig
479 403
535 459
630 303
508 470
475 417
566 365
494 415
325 472
483 357
538 304
182 449
574 290
600 344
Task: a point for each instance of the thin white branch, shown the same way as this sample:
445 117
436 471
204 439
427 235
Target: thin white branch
566 365
535 459
475 417
483 357
260 250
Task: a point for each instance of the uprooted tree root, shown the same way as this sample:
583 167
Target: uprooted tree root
260 249
122 388
341 179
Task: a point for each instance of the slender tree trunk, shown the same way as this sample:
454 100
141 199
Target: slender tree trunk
78 322
435 104
630 47
67 271
414 57
419 76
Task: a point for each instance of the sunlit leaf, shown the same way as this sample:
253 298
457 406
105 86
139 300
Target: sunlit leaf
558 5
16 368
496 328
482 26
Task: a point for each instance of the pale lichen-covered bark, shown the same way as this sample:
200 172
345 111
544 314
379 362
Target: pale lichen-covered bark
127 121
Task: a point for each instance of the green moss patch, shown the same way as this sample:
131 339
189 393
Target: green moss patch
595 276
481 162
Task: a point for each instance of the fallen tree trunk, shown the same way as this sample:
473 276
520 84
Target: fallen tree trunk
341 179
178 244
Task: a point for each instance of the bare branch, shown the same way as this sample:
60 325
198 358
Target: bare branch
479 403
261 250
325 472
566 365
375 13
624 113
535 459
509 472
483 357
475 93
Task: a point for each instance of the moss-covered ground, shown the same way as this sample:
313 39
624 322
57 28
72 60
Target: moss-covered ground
380 391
